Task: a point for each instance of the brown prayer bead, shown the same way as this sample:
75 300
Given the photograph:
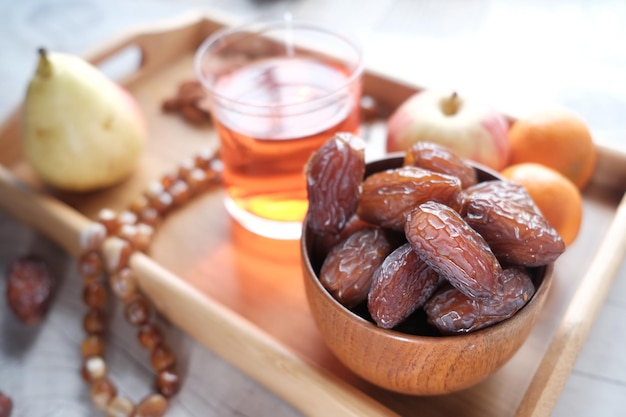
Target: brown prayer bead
197 180
154 405
139 204
168 382
123 284
203 158
168 179
92 345
180 192
120 407
185 167
138 311
117 252
150 216
91 279
150 336
95 295
90 264
161 357
93 368
143 237
102 392
94 321
109 220
126 217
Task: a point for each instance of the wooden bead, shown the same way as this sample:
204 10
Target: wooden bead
95 295
158 198
155 405
120 407
198 180
168 179
180 192
91 279
93 368
150 336
94 321
138 311
185 167
109 220
126 217
92 345
143 237
168 382
203 158
138 205
90 263
123 284
161 357
102 392
116 252
150 216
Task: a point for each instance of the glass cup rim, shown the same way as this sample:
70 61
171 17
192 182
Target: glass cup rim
261 25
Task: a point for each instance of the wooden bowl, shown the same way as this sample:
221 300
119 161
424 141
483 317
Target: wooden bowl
410 363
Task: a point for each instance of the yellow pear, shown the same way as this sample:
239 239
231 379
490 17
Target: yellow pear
81 130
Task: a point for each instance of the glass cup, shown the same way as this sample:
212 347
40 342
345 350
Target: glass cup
278 90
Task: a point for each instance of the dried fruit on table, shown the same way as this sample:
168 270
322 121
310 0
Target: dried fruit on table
333 176
348 269
451 311
29 288
190 101
401 285
438 158
451 247
387 197
516 233
6 405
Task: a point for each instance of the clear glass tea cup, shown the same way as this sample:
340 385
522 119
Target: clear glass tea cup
278 90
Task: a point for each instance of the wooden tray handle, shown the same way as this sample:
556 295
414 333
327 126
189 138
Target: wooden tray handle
52 218
556 365
159 43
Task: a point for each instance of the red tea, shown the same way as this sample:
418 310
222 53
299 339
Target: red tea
278 112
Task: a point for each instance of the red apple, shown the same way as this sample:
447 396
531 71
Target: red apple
470 128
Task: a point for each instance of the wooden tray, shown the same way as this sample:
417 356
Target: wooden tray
241 295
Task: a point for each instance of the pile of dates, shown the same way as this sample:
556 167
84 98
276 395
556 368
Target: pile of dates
424 238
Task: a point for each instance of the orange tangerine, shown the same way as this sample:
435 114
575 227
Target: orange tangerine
557 197
558 139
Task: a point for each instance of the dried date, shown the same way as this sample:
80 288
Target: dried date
387 197
451 311
6 405
501 190
333 176
516 233
438 158
190 101
349 267
29 288
401 285
452 248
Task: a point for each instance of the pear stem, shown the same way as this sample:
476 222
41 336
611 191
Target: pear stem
44 68
450 106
